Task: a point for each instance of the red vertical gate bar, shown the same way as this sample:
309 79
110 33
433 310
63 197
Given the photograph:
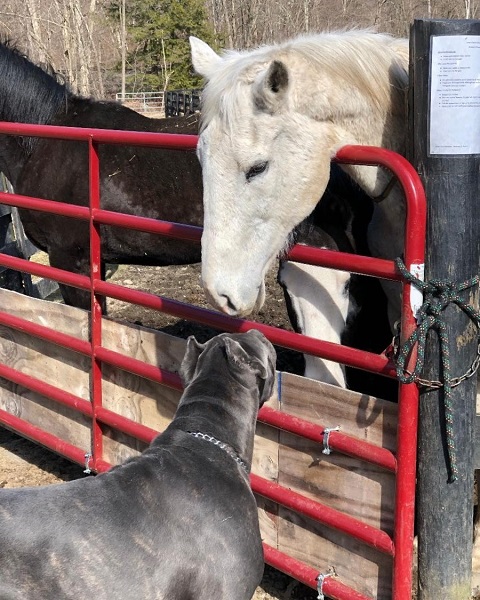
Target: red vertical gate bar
96 307
408 400
407 425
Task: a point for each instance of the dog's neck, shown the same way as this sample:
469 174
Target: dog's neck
213 407
222 446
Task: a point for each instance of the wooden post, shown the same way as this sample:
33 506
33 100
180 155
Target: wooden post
444 111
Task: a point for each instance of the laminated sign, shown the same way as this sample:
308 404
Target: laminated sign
455 95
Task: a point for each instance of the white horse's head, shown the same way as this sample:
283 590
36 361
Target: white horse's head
272 119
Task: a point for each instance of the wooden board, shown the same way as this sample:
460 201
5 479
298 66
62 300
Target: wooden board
358 489
47 362
340 482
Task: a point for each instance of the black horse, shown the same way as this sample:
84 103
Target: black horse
156 183
339 222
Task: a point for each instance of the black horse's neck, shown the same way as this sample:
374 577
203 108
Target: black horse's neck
28 94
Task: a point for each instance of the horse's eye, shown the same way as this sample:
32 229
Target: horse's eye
256 170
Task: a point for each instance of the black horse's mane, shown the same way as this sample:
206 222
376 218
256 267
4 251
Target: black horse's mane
28 93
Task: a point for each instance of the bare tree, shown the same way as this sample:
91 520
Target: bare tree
167 70
35 36
76 38
123 43
251 22
67 34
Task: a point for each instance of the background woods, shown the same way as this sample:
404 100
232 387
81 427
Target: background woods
103 47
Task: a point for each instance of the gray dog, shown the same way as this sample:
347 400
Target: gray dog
178 522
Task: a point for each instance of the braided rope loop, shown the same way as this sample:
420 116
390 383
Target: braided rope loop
437 295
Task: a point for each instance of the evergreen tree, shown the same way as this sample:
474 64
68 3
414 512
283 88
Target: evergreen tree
159 57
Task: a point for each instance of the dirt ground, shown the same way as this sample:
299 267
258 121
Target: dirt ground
23 463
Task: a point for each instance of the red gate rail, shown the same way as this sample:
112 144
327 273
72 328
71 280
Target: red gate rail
338 441
288 339
402 463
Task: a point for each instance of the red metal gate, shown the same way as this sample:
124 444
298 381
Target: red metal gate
402 463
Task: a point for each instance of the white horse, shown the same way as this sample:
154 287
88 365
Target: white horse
272 119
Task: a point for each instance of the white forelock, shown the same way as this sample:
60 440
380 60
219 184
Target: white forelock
374 64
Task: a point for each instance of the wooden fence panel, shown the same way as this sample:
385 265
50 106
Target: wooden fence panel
343 483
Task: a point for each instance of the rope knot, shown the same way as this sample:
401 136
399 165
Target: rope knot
438 294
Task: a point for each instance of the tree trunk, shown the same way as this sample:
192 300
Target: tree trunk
37 47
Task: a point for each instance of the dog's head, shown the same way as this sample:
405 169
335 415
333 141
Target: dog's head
246 353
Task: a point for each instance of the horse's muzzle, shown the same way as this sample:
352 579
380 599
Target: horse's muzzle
234 304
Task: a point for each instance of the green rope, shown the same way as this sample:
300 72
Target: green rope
437 295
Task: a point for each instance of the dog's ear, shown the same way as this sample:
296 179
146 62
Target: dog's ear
237 356
269 359
190 359
268 382
263 368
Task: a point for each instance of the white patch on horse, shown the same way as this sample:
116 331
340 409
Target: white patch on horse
321 303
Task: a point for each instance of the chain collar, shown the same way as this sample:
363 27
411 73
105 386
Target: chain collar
225 447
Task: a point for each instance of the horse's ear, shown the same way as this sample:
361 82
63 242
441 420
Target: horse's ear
270 89
190 359
204 59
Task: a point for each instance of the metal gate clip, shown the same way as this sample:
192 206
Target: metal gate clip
87 469
326 435
320 580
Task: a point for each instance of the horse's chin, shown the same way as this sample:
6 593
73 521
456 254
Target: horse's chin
260 298
221 303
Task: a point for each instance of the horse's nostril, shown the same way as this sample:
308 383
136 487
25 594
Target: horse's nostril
232 309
